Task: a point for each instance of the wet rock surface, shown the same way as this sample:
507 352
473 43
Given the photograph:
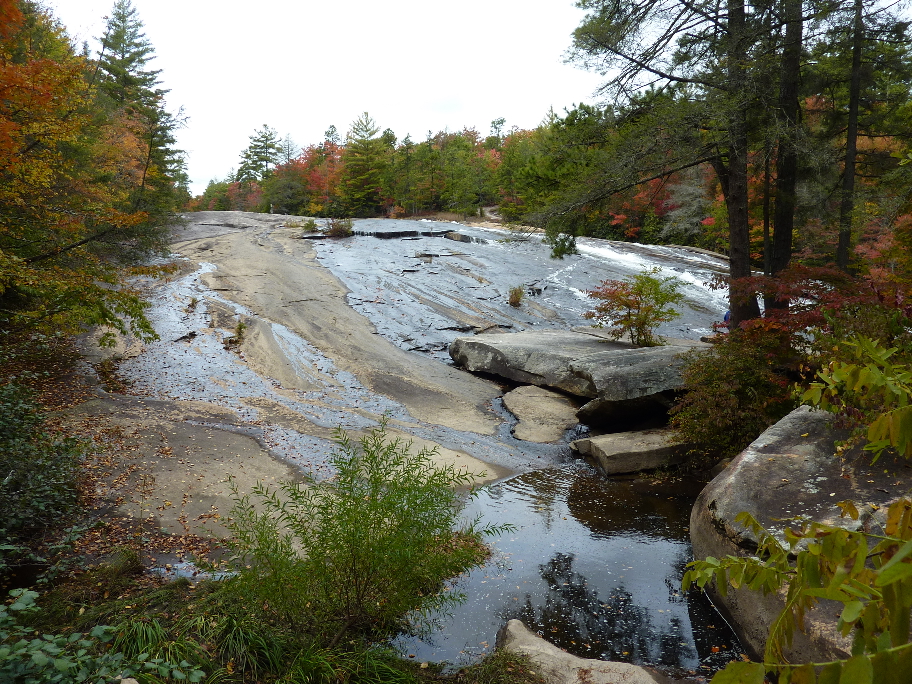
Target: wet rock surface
791 471
280 340
543 415
631 452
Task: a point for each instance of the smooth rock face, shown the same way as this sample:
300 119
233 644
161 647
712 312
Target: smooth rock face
630 452
790 470
559 667
544 415
535 358
583 364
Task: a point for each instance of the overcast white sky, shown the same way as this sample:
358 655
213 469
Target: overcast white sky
414 65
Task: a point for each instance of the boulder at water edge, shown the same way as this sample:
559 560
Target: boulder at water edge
631 452
559 667
791 470
611 374
543 415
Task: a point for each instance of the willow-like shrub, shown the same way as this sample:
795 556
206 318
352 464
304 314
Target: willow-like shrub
364 554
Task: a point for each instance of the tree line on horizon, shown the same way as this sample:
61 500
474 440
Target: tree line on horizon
786 135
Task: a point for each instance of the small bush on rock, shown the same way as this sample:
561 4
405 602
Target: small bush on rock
636 306
735 390
339 228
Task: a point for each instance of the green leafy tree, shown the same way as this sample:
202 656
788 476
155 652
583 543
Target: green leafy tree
874 389
358 553
869 573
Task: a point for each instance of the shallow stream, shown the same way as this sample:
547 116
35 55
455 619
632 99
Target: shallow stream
594 565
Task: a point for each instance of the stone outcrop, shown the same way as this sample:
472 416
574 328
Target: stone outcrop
607 372
790 470
560 667
630 452
544 415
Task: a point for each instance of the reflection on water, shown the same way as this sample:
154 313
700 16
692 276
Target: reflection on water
594 566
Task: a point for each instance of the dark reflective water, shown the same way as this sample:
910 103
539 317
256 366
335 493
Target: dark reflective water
594 566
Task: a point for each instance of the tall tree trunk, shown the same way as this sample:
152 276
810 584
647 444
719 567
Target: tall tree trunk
743 308
847 205
787 152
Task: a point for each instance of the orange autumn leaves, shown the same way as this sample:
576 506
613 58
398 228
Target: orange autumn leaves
69 167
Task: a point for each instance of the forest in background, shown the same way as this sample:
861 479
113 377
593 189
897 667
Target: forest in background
777 132
798 153
89 174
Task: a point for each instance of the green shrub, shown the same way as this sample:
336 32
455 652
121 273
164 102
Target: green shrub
873 390
339 228
38 474
734 391
516 295
870 574
636 306
357 554
32 659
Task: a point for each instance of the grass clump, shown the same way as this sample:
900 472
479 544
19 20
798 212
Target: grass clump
516 296
339 228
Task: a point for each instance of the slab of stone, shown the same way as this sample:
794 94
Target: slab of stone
544 415
622 374
631 452
791 470
560 667
575 362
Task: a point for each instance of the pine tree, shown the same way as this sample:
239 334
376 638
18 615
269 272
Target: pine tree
125 54
364 160
264 149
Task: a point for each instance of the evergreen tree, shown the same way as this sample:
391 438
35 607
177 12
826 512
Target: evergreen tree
124 57
264 149
364 160
129 93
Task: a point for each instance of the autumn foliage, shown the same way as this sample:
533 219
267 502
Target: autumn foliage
82 186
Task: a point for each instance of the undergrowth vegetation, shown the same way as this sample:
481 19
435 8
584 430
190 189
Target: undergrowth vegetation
38 476
356 555
324 573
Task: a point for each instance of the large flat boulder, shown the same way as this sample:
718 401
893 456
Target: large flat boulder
587 365
560 667
544 415
790 470
631 452
542 358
